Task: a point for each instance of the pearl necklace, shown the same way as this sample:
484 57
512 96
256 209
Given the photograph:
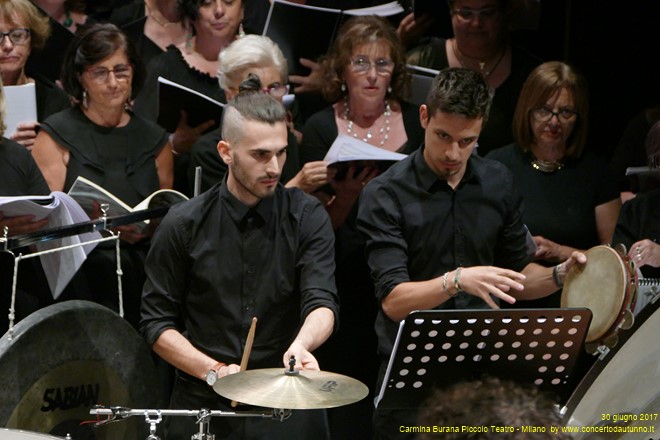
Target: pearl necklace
384 131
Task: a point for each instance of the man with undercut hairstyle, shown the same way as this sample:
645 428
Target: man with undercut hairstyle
248 247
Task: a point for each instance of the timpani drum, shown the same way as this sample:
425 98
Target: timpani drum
607 285
68 357
621 390
14 434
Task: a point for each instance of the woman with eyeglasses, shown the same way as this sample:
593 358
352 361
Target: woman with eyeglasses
364 74
571 200
253 63
481 42
24 29
101 139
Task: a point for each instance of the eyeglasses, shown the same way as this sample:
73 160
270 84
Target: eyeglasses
467 14
544 114
16 36
276 90
363 65
100 75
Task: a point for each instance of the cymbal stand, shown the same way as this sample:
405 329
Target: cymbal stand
154 416
204 421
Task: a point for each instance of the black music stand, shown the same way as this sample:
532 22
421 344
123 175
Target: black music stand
438 348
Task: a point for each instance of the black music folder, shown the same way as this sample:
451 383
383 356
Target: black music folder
173 97
303 31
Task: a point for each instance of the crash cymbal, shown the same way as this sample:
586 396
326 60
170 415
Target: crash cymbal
277 388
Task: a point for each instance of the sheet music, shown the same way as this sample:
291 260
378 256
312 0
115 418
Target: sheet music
21 106
346 148
59 267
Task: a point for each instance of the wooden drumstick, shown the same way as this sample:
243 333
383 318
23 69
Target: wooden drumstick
246 351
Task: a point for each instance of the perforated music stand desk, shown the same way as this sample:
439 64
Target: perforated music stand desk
438 348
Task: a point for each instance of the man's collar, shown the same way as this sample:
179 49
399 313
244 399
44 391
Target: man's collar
238 210
429 179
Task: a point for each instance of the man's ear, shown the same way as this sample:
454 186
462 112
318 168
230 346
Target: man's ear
423 116
224 150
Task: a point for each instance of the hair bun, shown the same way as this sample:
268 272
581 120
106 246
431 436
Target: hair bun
250 85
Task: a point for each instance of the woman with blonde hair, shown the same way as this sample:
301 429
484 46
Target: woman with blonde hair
24 29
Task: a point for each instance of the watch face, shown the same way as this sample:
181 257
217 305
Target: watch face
211 377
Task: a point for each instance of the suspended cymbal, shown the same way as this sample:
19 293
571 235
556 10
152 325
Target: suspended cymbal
273 388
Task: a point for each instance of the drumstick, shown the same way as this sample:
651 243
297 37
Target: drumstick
246 352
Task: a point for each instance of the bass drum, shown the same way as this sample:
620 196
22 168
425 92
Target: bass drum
13 434
620 393
68 357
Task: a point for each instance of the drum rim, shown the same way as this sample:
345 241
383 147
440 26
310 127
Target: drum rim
623 303
601 364
31 433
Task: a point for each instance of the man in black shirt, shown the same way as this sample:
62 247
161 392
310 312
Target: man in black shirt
246 248
444 226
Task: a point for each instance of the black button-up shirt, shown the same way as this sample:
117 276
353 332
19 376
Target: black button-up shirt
417 228
214 264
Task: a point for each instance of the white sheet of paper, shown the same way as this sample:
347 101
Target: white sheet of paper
346 148
21 106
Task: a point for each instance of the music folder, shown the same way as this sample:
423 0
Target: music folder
173 98
347 151
303 31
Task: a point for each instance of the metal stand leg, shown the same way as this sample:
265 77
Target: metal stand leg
204 421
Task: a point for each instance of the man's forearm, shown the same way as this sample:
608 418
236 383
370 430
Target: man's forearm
174 348
316 329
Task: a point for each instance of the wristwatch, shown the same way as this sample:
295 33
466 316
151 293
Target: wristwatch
212 374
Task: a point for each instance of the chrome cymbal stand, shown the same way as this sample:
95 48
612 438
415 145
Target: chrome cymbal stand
154 416
204 421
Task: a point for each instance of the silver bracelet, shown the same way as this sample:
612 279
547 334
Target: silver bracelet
444 285
555 276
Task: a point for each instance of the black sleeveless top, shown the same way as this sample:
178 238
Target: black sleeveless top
120 159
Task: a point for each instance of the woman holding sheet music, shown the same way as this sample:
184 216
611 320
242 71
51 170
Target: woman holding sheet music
100 138
365 77
25 29
19 176
212 26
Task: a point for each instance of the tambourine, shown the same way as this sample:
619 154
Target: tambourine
607 285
